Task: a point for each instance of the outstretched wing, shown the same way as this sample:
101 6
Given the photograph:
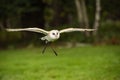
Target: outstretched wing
30 29
75 29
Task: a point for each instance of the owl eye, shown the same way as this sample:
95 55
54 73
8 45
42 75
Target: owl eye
53 33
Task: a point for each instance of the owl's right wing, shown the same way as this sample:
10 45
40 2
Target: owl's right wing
39 30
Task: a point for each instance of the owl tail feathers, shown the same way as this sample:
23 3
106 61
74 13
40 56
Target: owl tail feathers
43 38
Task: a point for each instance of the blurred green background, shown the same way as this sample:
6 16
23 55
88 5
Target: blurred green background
80 63
81 55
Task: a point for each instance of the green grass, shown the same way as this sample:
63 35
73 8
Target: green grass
81 63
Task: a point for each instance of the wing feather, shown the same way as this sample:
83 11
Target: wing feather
75 29
30 29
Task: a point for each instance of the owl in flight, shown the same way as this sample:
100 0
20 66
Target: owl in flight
52 35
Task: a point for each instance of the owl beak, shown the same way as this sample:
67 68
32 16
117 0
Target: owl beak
56 36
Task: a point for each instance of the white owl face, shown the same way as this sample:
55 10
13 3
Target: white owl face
54 34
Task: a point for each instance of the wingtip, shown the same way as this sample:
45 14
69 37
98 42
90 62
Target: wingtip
90 29
93 29
8 30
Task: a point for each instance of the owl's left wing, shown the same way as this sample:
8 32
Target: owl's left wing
75 29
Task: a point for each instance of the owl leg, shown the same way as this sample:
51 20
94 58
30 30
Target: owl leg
45 47
53 50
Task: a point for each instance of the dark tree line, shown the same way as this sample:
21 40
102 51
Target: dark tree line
49 14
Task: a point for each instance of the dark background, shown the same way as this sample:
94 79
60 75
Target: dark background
57 14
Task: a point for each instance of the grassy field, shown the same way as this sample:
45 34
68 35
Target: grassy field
80 63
